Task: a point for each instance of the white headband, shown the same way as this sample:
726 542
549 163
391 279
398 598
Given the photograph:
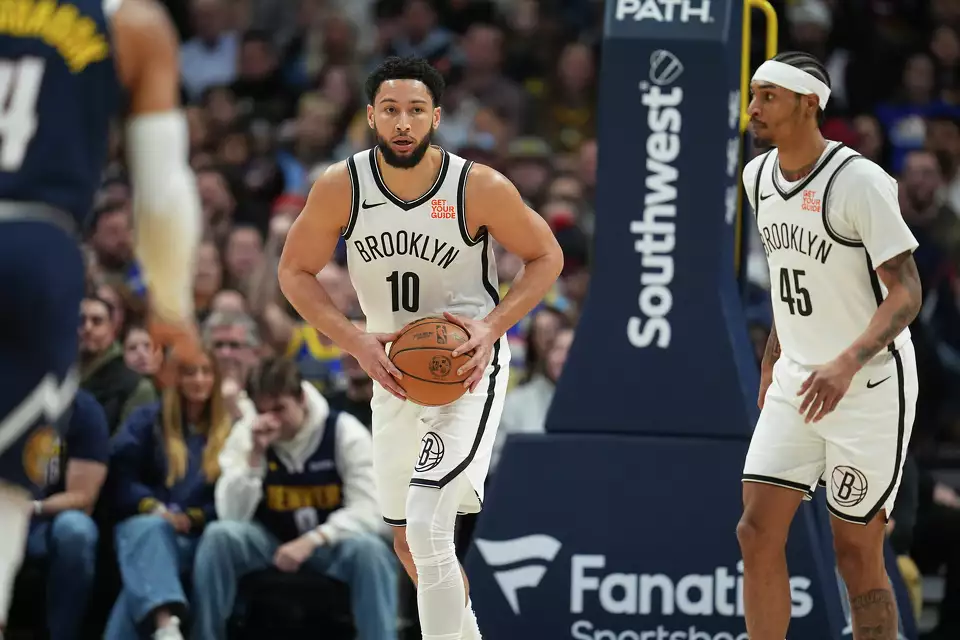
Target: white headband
796 80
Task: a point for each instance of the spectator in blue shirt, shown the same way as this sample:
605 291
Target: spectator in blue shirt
163 470
62 533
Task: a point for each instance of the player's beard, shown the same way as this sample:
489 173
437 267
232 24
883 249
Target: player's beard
408 161
762 143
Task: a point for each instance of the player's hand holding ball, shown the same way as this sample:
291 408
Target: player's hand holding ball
480 343
370 350
826 386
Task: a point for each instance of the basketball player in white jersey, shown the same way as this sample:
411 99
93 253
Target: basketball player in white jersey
839 382
418 223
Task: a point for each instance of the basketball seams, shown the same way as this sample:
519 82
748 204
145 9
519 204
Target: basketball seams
441 352
416 323
405 375
433 338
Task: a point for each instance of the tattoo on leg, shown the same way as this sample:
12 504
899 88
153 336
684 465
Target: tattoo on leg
874 615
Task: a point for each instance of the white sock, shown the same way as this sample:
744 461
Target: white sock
471 630
15 516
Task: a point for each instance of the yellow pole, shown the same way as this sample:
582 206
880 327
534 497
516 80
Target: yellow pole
771 43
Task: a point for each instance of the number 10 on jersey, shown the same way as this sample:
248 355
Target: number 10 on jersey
793 293
404 291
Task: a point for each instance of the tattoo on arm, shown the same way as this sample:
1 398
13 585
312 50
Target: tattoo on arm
901 272
772 352
874 615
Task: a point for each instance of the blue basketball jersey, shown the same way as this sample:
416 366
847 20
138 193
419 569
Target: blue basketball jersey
58 92
296 501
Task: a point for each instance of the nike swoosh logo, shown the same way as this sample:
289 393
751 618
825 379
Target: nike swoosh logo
764 197
371 206
871 385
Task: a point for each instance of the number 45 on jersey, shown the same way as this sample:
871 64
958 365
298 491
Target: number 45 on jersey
793 293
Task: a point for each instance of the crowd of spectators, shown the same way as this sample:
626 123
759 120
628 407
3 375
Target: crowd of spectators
255 457
126 538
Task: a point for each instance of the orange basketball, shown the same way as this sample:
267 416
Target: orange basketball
422 353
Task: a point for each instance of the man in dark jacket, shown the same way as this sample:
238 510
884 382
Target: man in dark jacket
117 388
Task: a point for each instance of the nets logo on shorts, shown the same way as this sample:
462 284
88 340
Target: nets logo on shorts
849 486
521 552
431 452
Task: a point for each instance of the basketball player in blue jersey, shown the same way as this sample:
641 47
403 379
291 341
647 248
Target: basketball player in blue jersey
838 384
417 222
63 66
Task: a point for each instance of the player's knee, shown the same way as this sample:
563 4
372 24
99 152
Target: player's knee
858 558
428 535
757 536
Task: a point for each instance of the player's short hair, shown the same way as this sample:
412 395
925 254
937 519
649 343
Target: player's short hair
276 377
410 68
806 62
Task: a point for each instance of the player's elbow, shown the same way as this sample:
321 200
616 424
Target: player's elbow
552 258
910 296
287 276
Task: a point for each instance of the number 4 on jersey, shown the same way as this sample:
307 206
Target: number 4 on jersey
793 293
20 82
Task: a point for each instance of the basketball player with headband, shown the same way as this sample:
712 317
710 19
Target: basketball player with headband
838 383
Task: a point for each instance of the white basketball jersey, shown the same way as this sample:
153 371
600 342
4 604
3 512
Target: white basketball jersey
412 259
824 236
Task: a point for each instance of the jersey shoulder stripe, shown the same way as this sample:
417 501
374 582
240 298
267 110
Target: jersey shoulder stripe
354 197
462 208
836 237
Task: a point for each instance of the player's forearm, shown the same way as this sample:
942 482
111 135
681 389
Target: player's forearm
772 351
314 305
892 316
526 292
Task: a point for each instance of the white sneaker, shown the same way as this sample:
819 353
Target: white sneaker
169 632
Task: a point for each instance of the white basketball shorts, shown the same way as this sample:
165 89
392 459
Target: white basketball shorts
856 451
430 446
